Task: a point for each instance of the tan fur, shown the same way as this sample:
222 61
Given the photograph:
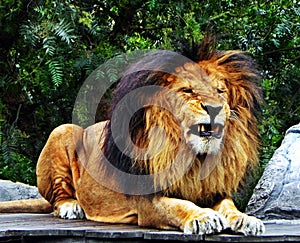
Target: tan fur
70 166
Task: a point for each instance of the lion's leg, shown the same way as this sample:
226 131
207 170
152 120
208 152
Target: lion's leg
166 213
57 169
238 221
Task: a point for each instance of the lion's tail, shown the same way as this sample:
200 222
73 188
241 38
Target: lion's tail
39 205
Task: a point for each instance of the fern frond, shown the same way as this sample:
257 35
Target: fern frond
63 30
29 33
49 44
56 71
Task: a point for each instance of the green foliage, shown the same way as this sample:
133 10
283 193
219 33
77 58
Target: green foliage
49 48
15 163
56 71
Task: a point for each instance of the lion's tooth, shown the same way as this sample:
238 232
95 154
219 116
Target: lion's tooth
199 127
202 128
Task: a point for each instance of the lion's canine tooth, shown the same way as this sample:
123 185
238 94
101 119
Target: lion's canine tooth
202 128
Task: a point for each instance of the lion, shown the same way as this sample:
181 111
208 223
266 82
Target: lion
181 135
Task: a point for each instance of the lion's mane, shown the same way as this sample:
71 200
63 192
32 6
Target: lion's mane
240 74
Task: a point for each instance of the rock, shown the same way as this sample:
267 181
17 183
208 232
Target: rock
277 194
16 191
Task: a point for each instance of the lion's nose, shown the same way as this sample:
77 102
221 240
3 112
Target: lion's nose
211 110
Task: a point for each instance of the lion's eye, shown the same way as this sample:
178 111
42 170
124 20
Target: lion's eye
188 91
220 91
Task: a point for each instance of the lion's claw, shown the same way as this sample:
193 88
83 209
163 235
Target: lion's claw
70 210
207 223
248 225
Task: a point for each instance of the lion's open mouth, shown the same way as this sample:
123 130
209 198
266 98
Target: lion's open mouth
207 130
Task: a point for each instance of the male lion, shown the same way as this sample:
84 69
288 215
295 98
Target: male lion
180 137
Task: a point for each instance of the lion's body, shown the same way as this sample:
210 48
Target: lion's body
189 163
73 180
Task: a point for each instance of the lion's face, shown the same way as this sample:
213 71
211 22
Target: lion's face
204 112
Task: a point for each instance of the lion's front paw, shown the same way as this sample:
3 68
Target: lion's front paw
205 223
69 210
248 225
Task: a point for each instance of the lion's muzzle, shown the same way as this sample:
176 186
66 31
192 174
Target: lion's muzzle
212 128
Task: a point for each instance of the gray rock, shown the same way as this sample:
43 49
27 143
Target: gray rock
16 191
277 194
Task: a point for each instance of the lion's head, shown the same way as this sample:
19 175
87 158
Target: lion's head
189 124
203 110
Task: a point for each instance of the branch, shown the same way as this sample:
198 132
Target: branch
17 116
282 50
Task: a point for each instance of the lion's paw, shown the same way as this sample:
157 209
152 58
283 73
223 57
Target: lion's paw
69 210
247 225
207 223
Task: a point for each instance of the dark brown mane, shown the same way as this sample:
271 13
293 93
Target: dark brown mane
149 71
200 51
